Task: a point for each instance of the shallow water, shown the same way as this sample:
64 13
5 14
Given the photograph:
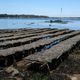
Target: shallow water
37 23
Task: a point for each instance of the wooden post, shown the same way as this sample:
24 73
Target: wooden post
48 68
14 62
6 62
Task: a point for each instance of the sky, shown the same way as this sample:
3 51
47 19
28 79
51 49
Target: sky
70 8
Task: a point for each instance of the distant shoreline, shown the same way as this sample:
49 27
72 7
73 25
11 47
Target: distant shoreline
21 16
31 16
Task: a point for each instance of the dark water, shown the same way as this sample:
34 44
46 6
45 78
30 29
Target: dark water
37 23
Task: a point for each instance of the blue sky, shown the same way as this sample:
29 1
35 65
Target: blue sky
41 7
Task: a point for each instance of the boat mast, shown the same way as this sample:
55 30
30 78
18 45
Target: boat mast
61 14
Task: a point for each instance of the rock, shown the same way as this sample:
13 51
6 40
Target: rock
11 70
74 78
17 78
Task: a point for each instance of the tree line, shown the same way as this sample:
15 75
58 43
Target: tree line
21 16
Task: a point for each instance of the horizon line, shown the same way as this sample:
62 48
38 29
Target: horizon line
34 15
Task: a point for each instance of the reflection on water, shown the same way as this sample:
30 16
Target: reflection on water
37 23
